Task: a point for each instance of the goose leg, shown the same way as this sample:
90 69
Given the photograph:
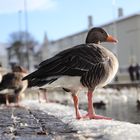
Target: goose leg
39 97
7 100
17 103
45 95
91 112
17 100
76 105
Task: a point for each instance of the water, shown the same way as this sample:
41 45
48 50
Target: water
121 105
122 111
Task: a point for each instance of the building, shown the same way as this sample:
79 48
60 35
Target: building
125 28
3 55
127 31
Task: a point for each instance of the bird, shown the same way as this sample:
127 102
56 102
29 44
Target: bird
13 81
44 92
2 71
85 66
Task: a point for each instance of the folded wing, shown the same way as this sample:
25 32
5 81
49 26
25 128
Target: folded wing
71 62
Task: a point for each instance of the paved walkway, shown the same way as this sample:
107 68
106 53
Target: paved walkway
32 124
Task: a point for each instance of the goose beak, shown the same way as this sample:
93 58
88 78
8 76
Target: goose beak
111 39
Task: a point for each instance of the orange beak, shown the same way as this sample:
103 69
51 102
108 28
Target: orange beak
111 39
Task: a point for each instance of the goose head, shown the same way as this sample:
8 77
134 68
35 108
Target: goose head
97 35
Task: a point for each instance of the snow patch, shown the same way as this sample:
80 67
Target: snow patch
103 129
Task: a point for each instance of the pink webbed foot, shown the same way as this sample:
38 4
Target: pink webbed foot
79 117
94 116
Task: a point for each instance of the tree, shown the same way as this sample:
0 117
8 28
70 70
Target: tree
21 44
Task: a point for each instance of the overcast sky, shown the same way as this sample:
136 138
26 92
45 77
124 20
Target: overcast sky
59 18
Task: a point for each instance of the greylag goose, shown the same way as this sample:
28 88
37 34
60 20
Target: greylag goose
2 71
13 81
88 66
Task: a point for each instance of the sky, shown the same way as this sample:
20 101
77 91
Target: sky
58 18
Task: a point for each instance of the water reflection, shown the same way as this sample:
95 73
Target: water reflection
122 111
120 105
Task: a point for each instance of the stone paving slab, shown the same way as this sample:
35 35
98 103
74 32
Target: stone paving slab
31 124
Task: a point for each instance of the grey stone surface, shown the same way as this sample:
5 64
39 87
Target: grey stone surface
51 121
31 124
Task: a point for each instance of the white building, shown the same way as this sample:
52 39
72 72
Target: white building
3 55
125 29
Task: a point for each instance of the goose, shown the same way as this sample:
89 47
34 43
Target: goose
85 66
13 81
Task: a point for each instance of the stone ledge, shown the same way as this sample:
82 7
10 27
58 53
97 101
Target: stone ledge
95 129
47 121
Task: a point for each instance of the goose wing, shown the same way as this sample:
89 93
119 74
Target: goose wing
71 62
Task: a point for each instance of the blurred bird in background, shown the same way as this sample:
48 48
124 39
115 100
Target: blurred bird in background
2 71
12 81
